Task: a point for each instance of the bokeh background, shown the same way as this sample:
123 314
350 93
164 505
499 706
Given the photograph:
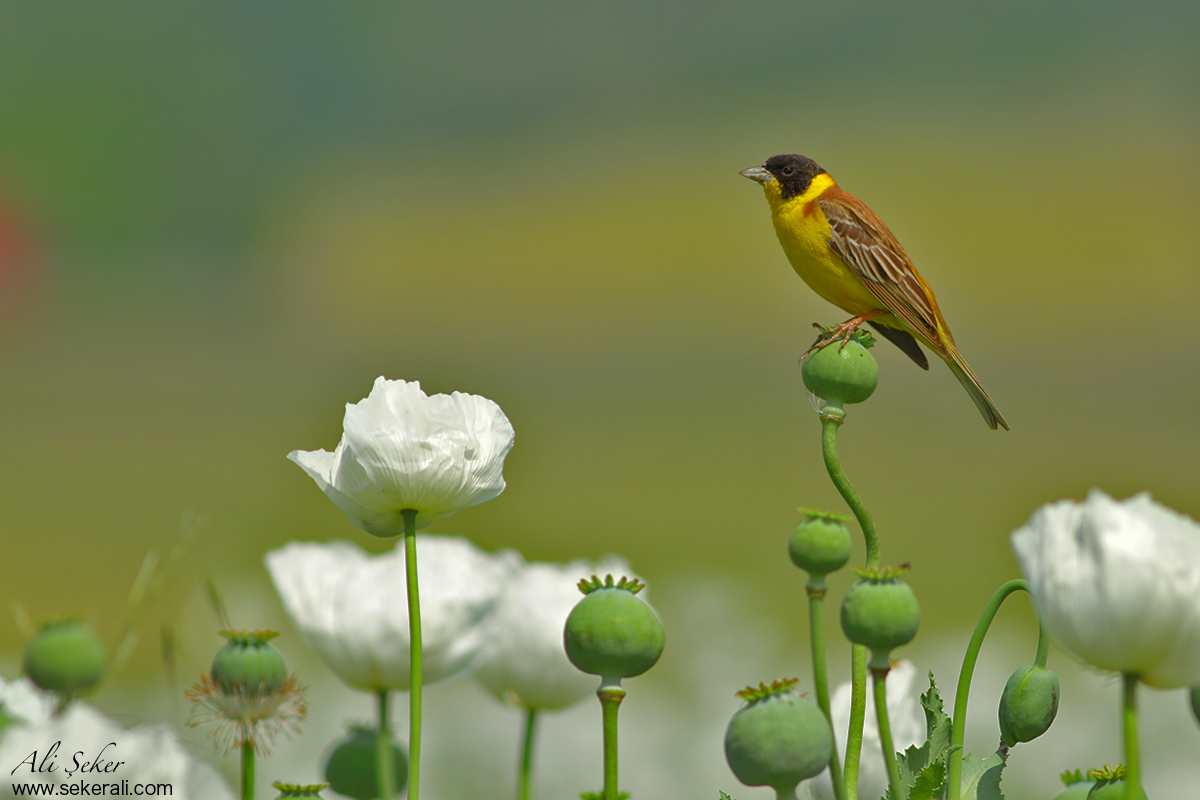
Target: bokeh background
219 222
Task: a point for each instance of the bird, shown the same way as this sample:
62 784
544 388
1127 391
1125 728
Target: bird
845 254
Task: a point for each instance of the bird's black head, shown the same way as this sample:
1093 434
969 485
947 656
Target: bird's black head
793 172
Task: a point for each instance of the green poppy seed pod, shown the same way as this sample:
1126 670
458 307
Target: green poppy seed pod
841 375
1028 704
1195 695
65 657
248 664
1076 791
350 768
611 632
881 612
821 543
1113 789
777 739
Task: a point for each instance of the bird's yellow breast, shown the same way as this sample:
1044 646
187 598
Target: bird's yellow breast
804 233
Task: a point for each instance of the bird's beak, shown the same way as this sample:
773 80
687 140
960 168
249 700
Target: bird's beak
758 173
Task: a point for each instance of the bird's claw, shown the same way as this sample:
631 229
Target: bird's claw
828 336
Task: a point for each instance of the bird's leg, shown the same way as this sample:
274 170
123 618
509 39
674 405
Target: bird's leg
844 331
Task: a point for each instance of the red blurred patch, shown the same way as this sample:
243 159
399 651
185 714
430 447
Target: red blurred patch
19 267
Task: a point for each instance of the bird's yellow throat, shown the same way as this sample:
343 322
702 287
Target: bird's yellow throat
779 205
804 233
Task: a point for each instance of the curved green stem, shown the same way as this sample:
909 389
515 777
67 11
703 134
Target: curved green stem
385 768
830 421
885 734
816 628
610 700
1043 651
247 770
526 770
1132 756
414 635
957 732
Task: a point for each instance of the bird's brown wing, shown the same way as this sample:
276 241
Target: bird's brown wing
861 239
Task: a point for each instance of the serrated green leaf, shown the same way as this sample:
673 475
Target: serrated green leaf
981 777
911 762
724 797
938 726
923 768
929 783
931 701
922 779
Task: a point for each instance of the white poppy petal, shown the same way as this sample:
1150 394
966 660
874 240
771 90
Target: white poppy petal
150 754
1117 583
525 663
402 450
351 608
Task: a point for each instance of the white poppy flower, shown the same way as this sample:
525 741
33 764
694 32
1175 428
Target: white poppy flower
1118 584
351 608
403 450
148 754
525 663
905 716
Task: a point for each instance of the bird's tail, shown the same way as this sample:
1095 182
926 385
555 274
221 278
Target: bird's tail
958 365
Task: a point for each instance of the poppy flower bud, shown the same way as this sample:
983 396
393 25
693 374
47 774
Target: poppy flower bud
881 612
248 664
65 657
842 374
350 768
611 632
778 738
1028 704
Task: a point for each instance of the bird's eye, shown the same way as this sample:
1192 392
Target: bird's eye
788 170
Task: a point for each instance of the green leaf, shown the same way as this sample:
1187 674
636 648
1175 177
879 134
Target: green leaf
938 727
923 778
600 796
724 797
923 768
981 777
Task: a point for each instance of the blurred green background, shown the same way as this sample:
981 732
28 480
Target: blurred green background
219 222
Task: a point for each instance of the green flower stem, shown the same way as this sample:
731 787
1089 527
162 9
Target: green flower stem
885 734
957 732
385 768
1043 651
1132 758
247 770
523 778
816 627
785 794
831 420
610 700
858 717
414 635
